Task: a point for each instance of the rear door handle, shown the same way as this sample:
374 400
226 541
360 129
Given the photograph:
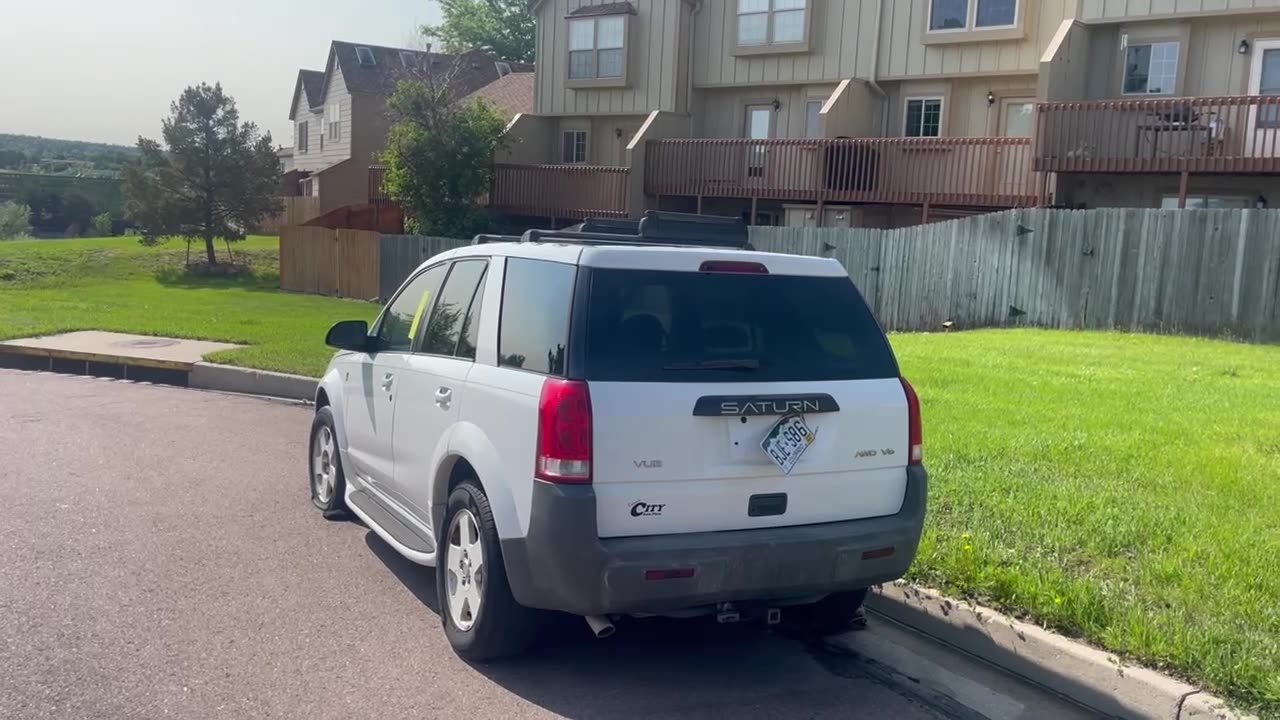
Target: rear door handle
444 396
387 380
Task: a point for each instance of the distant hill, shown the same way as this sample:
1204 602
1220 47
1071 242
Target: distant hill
74 158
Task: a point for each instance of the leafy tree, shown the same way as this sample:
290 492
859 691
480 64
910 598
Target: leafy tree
214 177
102 225
439 155
15 220
504 28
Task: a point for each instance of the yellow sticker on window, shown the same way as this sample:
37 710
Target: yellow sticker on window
417 316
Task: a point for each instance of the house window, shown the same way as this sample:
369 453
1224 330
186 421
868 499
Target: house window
574 147
813 118
923 117
408 60
335 121
364 56
1151 69
948 15
597 48
302 137
1208 202
771 22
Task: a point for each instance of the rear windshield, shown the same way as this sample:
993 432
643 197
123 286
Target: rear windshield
661 326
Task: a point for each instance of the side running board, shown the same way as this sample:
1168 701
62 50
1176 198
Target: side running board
388 521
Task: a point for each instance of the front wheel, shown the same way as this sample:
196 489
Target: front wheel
328 483
481 618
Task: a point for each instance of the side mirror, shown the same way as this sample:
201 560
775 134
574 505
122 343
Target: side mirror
349 335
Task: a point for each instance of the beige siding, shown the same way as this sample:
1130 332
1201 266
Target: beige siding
1106 10
1064 70
904 55
604 145
721 112
856 111
965 110
1210 63
321 151
841 46
529 141
654 70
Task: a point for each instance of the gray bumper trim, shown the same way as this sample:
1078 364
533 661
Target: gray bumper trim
563 565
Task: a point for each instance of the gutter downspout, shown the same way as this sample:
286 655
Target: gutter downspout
875 71
688 101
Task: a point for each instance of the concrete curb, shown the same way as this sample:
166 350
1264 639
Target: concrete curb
1082 674
227 378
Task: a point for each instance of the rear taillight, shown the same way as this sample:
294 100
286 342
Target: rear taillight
564 432
914 432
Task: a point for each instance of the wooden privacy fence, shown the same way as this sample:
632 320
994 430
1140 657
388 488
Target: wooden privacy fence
1202 272
330 262
293 211
401 254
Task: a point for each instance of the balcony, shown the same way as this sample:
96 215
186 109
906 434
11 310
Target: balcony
561 191
982 172
1236 134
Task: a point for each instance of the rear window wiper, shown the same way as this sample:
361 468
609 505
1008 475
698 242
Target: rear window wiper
745 364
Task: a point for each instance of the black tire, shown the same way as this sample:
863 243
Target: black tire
502 628
832 614
335 504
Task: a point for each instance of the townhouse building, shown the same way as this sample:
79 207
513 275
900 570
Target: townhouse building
892 112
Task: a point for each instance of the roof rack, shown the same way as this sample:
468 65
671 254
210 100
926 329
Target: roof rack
655 228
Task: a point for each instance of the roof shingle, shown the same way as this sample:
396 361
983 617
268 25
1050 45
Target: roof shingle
511 94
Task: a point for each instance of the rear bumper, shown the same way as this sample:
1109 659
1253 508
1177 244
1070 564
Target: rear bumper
562 565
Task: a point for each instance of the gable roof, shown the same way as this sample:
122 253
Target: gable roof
310 83
511 95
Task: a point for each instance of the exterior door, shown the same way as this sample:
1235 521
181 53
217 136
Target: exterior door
372 381
1013 165
434 379
759 126
1263 138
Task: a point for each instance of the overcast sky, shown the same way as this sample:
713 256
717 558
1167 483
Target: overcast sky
106 70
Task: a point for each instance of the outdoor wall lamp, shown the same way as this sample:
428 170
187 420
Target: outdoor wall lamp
617 132
1262 202
777 104
991 98
1244 47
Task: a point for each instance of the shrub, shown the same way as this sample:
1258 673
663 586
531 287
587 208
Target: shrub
15 220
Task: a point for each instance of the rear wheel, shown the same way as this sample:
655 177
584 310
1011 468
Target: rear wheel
482 620
832 614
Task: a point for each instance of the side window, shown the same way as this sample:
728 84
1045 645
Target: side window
400 322
536 298
471 325
450 313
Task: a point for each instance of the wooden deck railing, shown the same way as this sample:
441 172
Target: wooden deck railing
1231 134
989 172
377 178
561 191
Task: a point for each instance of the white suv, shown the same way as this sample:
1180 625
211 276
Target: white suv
609 426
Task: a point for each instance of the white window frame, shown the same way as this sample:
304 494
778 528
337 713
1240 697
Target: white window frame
335 121
586 149
813 132
302 131
770 14
1124 67
595 50
971 19
942 114
1170 201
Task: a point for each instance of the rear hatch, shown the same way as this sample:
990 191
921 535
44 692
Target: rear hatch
690 369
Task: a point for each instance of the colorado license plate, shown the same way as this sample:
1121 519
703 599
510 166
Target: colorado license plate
787 441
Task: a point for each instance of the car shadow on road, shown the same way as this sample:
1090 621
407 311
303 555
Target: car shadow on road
654 668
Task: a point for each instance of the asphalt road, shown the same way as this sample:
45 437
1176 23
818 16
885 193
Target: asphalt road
159 557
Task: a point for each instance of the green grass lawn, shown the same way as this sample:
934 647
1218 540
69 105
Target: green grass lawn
51 286
1120 488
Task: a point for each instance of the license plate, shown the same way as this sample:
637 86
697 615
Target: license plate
787 441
